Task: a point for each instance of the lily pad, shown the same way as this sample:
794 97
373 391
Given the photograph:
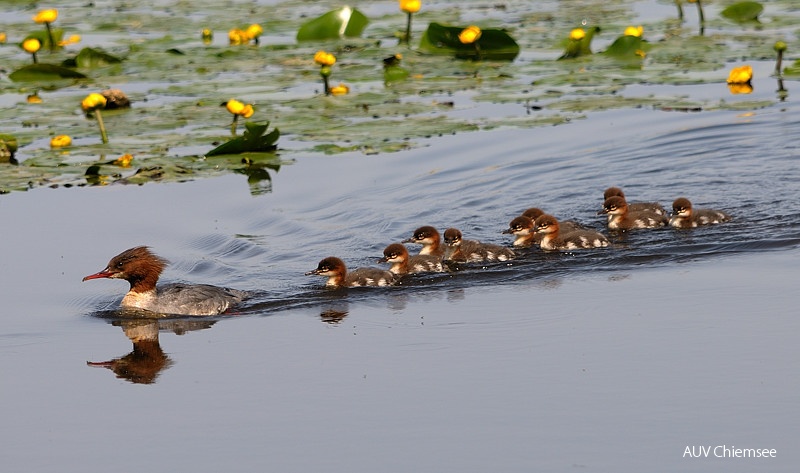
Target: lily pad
344 22
493 43
44 72
252 141
743 12
91 57
627 46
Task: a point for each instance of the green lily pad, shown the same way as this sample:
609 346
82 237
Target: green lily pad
628 47
493 44
344 22
88 58
252 141
743 12
582 47
44 72
44 38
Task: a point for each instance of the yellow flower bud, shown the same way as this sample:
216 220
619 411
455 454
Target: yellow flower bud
31 45
740 75
60 141
254 31
247 111
324 59
340 89
234 106
2 38
470 34
46 16
33 98
124 160
207 35
636 31
410 6
93 101
76 38
237 36
577 34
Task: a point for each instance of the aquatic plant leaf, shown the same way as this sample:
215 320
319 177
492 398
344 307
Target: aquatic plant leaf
582 47
743 12
252 141
44 38
793 70
631 47
493 44
8 146
344 22
394 73
90 57
43 72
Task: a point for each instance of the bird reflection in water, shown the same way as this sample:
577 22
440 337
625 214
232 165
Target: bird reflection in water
147 360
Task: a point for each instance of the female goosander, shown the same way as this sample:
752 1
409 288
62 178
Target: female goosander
554 239
430 240
621 218
338 276
654 207
141 268
684 216
522 229
470 251
402 263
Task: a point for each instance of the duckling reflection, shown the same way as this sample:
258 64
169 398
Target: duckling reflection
147 360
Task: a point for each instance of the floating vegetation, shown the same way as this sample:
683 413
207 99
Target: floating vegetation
389 93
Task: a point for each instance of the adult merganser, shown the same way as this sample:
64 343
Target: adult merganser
402 263
141 268
338 276
470 251
654 207
554 239
430 240
684 216
621 218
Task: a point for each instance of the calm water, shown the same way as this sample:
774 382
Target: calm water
614 360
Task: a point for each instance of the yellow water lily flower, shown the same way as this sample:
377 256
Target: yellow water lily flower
577 34
33 98
237 37
207 35
76 38
636 31
740 75
254 31
46 16
340 89
247 111
410 6
60 141
324 58
470 34
93 101
32 45
124 160
2 38
234 106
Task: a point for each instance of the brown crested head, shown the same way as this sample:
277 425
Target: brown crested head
681 204
137 265
546 224
533 213
613 204
613 192
422 234
520 224
394 251
327 266
452 236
